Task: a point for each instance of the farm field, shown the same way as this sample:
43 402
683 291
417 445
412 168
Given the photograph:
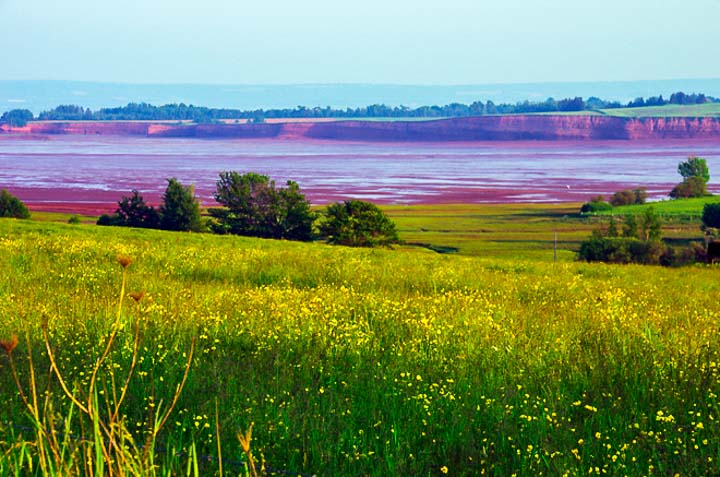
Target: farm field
362 362
679 209
510 231
666 111
669 110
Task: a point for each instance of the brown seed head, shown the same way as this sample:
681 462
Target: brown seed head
124 260
137 296
9 345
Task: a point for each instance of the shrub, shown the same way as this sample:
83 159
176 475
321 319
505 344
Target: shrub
646 252
639 243
623 197
621 250
628 197
11 206
74 220
641 195
596 204
358 224
711 216
132 211
690 187
683 256
111 220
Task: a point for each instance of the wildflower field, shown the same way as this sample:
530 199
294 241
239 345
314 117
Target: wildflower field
155 353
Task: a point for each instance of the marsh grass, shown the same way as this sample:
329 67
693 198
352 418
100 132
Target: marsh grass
364 362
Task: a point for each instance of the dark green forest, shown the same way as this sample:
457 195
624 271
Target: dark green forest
200 114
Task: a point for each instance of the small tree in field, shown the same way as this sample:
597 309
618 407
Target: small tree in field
695 175
11 206
180 210
132 211
358 224
694 167
255 207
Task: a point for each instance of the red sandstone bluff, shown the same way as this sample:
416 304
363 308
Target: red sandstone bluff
485 128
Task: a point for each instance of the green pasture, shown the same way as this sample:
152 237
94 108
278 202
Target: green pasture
669 209
514 231
667 111
354 361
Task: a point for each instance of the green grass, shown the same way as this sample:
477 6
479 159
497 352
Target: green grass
669 110
678 209
373 362
512 231
585 112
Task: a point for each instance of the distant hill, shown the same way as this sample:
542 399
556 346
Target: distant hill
38 96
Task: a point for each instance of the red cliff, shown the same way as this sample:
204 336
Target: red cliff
484 128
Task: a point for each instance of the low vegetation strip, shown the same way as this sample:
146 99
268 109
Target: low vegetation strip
366 362
686 208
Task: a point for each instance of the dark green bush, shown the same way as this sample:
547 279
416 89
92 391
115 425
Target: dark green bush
597 204
711 216
11 206
132 211
683 256
690 187
358 224
628 197
621 250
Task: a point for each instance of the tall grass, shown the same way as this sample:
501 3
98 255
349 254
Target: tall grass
365 362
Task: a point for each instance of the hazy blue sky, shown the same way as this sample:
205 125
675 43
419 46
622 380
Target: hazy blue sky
368 41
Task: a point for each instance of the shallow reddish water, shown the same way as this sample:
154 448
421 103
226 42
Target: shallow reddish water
90 174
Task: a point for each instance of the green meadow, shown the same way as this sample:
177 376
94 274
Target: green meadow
667 111
466 351
687 209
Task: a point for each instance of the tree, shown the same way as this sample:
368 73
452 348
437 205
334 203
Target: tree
641 195
17 117
255 207
695 175
11 206
180 210
358 224
630 227
694 167
132 211
650 226
296 216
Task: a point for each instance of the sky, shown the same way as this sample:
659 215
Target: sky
422 42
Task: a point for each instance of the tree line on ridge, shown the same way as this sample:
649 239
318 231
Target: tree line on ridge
201 114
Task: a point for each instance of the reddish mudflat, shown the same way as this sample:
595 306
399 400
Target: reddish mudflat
77 173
